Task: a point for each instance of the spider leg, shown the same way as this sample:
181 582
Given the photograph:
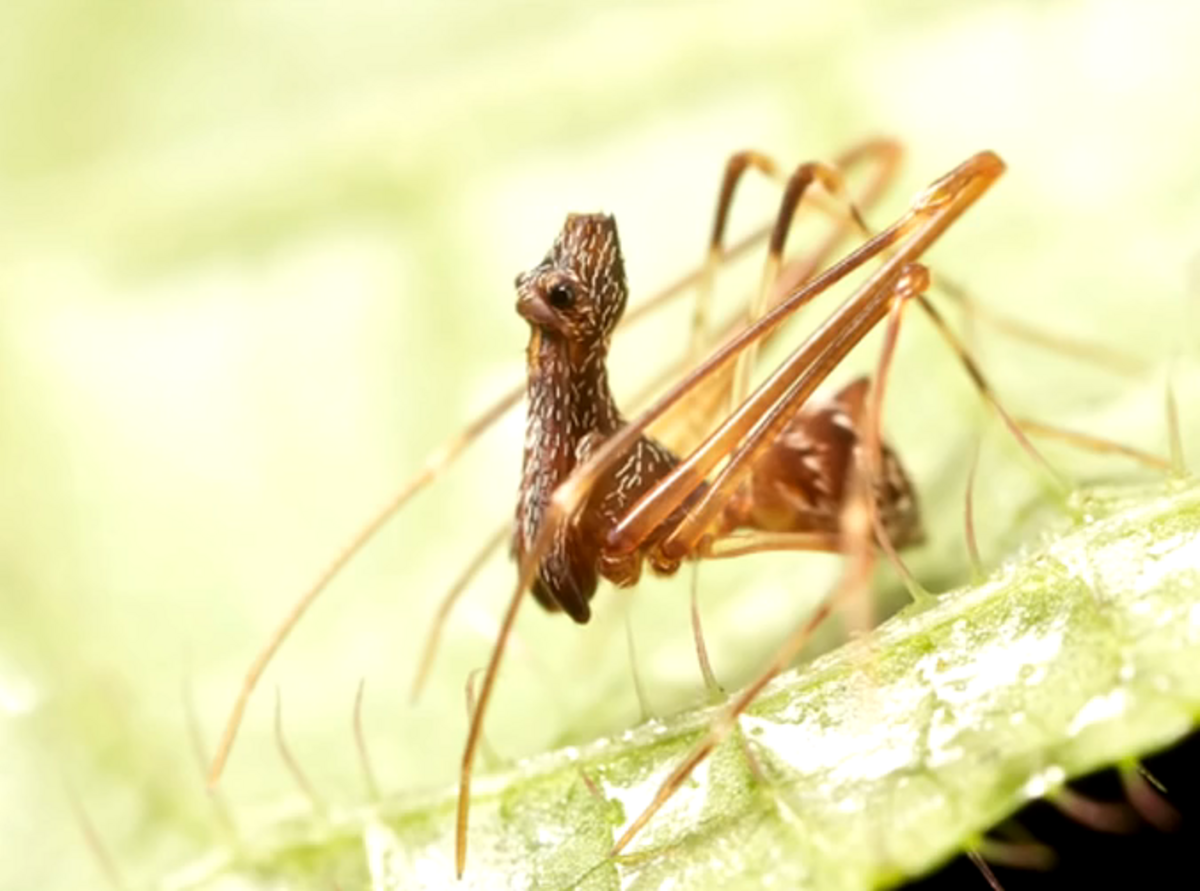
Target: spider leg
856 537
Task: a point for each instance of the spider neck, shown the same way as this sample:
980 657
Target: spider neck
568 392
568 399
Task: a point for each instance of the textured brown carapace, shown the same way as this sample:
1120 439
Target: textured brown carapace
573 300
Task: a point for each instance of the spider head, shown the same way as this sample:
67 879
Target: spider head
579 290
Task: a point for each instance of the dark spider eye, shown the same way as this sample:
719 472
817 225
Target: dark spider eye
561 295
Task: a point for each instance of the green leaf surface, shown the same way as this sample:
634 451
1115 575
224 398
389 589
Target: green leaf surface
873 763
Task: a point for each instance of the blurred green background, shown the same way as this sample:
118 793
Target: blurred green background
255 262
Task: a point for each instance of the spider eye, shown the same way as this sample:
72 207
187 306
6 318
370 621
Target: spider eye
561 295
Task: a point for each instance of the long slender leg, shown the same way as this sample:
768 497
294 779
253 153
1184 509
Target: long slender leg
1075 439
1100 816
859 533
856 528
989 394
638 687
969 516
985 870
888 154
434 635
715 691
933 211
1018 429
200 752
725 724
499 536
1078 440
1028 855
1098 355
489 754
721 728
433 466
293 765
1147 796
737 382
1174 436
735 168
874 446
1094 352
777 278
797 184
95 842
764 415
884 154
1091 443
360 744
793 192
739 544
